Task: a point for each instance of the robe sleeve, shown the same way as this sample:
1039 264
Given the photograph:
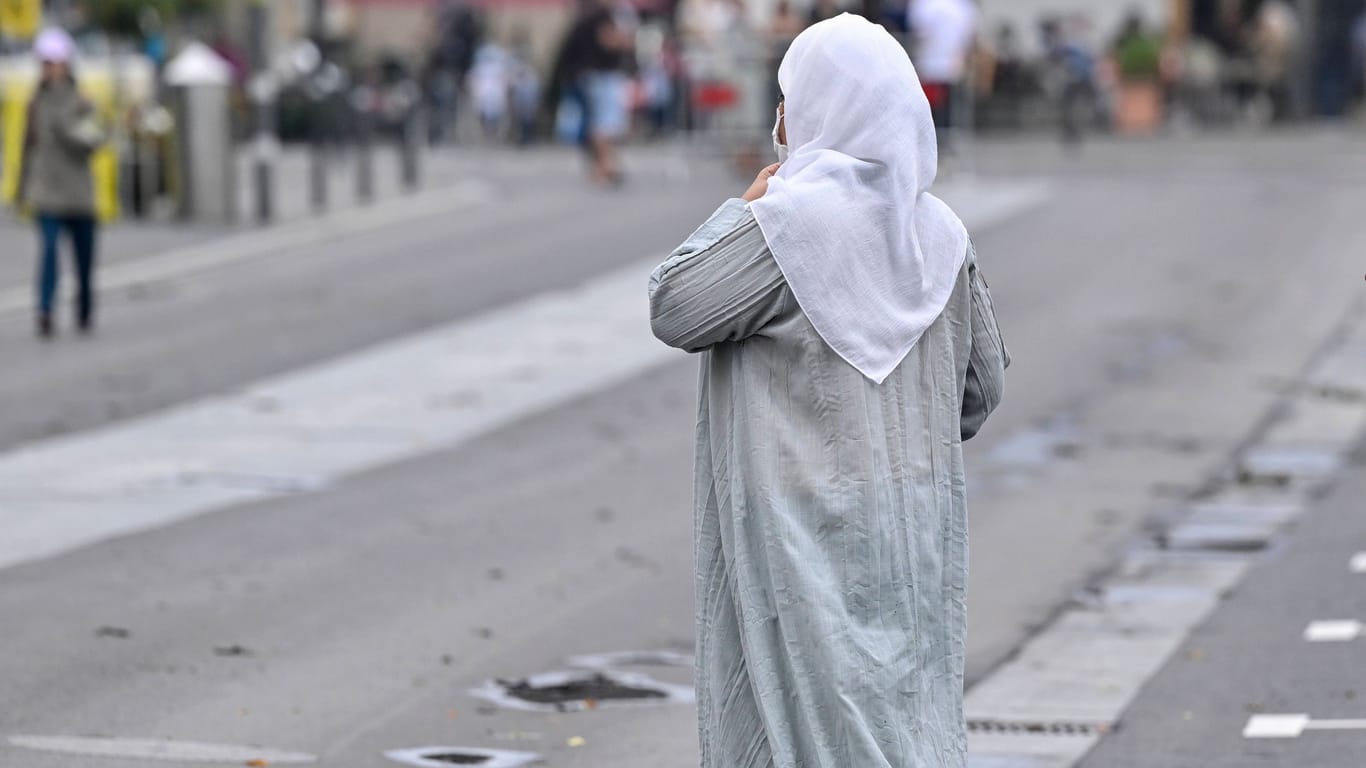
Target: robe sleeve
721 285
988 360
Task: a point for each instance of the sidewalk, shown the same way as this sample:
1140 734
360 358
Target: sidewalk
1251 659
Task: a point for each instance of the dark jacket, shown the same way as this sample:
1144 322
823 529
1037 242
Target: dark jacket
62 135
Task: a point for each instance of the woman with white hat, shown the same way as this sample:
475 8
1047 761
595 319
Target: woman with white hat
55 180
849 348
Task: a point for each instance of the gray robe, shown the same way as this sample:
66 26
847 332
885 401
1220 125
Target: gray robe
831 537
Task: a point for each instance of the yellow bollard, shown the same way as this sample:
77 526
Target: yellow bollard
20 19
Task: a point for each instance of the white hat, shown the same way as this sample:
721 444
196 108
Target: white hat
55 45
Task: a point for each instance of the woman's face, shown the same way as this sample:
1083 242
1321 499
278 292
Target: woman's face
782 122
54 70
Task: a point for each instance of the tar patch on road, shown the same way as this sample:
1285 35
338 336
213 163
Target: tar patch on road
581 690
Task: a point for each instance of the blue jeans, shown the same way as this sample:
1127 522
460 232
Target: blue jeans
82 232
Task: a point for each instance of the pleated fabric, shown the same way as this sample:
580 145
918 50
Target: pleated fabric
831 528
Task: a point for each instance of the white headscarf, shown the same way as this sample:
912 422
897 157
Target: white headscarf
870 255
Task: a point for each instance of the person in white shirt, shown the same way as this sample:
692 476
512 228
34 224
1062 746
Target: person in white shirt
943 32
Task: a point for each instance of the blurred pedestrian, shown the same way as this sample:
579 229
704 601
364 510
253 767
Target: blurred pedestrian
1009 77
526 90
823 10
55 181
1074 67
490 85
594 89
1275 44
1359 57
458 32
783 28
657 93
944 32
849 347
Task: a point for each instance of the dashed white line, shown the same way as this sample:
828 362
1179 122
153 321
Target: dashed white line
1336 631
1294 726
301 431
1358 563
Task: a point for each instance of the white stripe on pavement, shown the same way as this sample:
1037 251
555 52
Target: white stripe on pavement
303 431
1333 631
1358 563
251 245
1294 726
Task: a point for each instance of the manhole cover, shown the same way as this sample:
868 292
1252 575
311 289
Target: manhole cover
161 749
442 757
579 690
618 659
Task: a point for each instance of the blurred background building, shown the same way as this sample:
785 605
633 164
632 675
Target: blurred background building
331 71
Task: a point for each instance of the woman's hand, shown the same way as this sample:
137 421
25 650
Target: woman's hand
760 186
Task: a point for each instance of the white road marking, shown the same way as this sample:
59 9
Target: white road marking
1294 726
1334 631
161 749
304 430
1358 563
251 245
423 757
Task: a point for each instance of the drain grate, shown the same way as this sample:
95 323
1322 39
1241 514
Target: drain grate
1037 727
581 690
440 757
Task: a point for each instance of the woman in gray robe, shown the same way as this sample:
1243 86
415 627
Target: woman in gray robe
848 346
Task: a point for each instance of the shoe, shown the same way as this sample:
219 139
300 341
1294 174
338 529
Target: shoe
45 327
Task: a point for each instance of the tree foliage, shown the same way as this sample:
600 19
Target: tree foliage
127 17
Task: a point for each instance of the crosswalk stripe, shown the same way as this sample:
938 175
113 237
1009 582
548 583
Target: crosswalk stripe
302 431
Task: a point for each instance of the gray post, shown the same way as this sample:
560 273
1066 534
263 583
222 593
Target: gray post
1302 85
362 103
263 98
317 154
410 142
201 80
409 149
317 160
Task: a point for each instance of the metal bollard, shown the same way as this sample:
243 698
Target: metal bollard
408 150
317 162
263 94
365 150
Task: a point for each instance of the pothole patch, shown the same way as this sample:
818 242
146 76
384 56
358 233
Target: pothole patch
444 757
161 750
619 659
580 690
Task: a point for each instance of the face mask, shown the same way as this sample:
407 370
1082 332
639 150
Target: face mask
778 146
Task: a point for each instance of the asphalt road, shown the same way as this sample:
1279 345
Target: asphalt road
1152 304
1251 659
